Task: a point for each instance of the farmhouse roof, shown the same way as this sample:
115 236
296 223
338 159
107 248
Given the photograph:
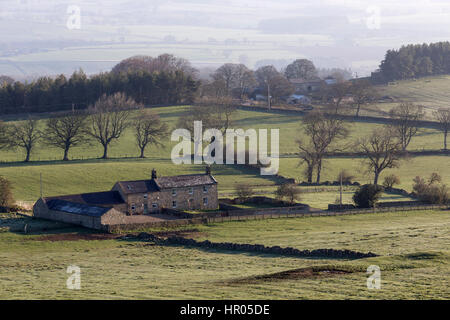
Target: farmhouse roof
191 180
76 208
107 198
143 186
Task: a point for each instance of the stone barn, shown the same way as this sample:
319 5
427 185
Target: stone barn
127 198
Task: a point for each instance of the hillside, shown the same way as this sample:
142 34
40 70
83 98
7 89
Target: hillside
431 92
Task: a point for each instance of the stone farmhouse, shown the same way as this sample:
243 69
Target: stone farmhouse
127 198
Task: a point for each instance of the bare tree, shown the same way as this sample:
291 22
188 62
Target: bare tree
289 191
405 122
274 82
244 79
215 113
362 93
226 74
382 151
109 118
308 157
336 93
301 69
148 129
24 135
323 133
443 117
66 131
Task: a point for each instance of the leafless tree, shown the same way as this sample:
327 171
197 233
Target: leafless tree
226 74
443 117
308 157
24 135
301 69
362 93
215 113
244 79
405 122
275 84
148 129
289 191
66 131
322 133
162 63
382 150
109 118
336 93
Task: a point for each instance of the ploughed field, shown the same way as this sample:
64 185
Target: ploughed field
413 249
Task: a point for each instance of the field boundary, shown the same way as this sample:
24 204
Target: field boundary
263 216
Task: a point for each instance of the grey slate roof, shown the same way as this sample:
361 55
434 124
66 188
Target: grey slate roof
108 198
140 186
144 186
190 180
76 208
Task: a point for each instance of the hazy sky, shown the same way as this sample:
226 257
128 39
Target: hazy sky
96 34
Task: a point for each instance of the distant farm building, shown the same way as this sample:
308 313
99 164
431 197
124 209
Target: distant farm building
128 198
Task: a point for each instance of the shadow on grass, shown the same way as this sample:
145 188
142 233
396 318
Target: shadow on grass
22 225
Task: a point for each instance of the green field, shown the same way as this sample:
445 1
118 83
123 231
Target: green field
408 170
290 127
413 249
90 174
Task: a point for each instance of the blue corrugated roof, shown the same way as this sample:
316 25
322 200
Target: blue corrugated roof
76 208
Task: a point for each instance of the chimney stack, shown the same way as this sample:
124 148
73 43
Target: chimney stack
154 176
208 170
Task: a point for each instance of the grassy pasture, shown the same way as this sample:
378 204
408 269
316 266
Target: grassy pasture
413 246
408 170
431 92
94 175
289 126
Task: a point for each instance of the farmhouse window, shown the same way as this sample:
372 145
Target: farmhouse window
205 200
133 207
174 204
174 192
145 195
155 205
191 190
205 189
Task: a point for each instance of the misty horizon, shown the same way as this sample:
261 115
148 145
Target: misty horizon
355 35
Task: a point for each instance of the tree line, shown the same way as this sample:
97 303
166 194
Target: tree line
416 61
170 80
103 122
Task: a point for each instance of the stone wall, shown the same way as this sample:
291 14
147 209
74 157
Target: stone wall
113 216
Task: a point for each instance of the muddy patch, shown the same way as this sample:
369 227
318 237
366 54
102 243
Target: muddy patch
296 274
